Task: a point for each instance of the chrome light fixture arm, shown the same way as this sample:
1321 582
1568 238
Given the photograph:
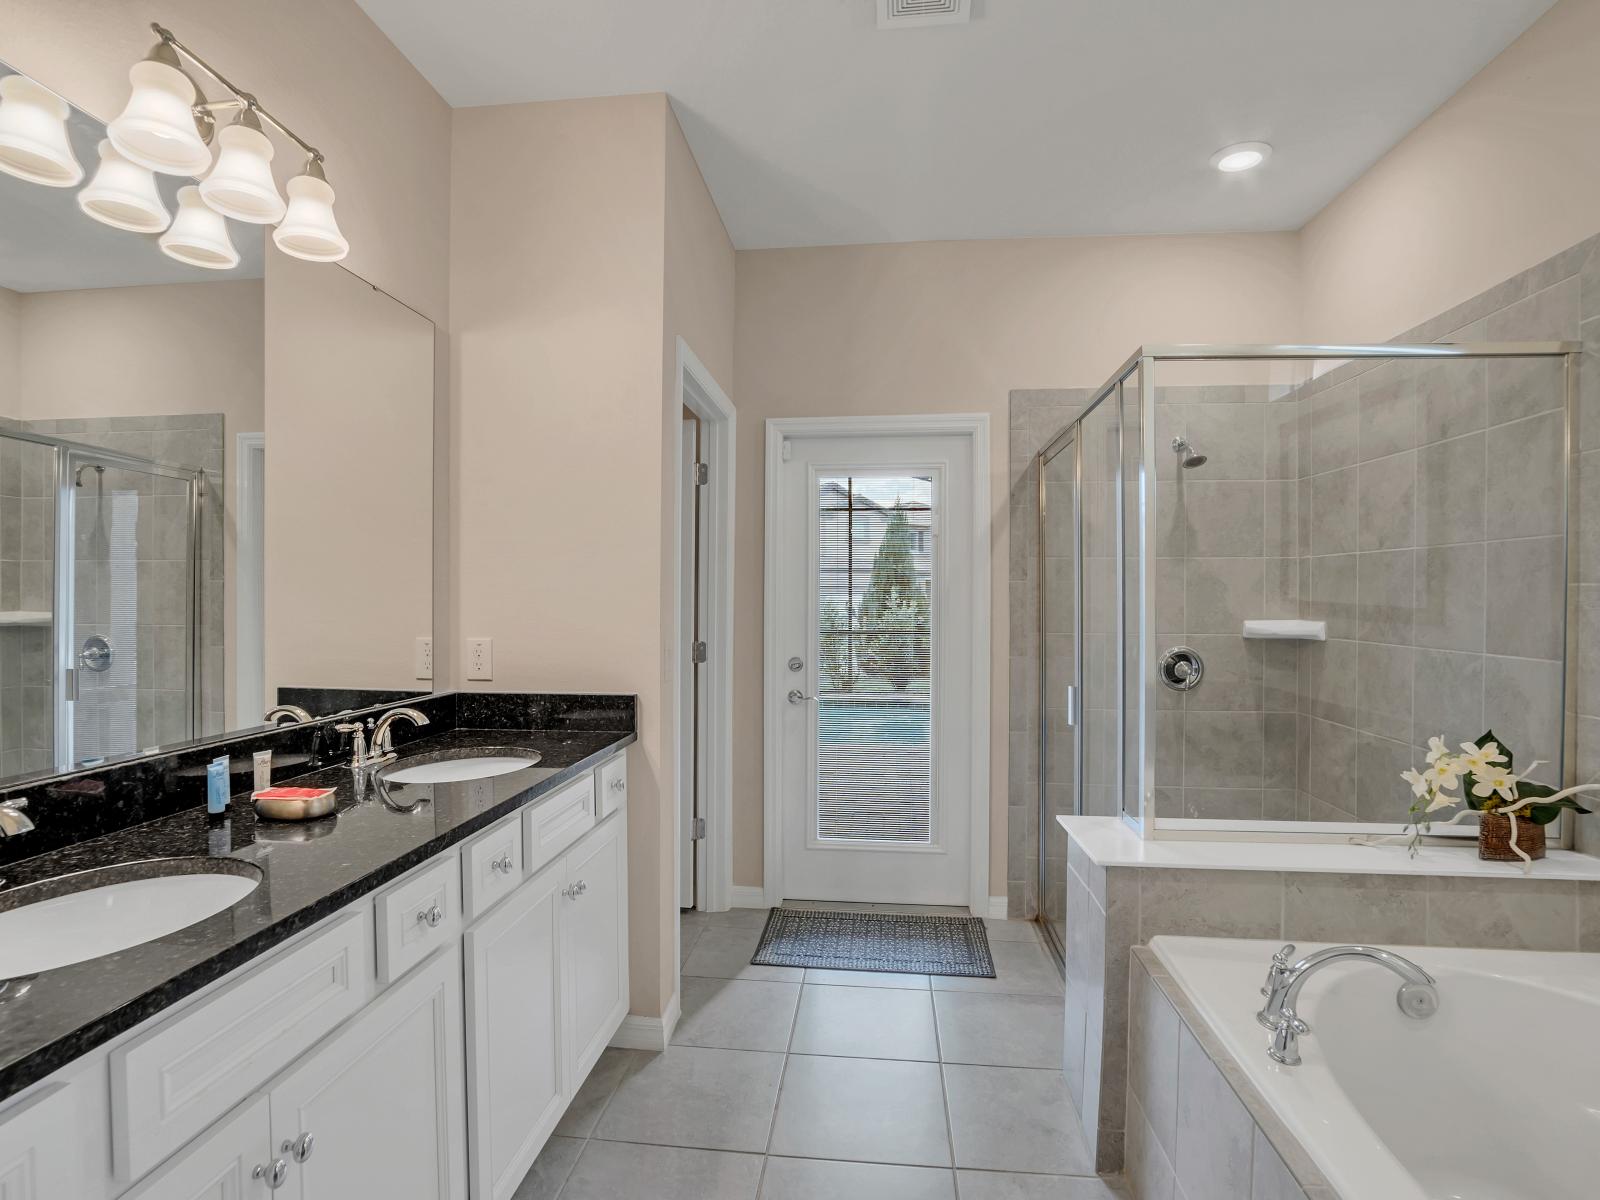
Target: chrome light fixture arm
242 98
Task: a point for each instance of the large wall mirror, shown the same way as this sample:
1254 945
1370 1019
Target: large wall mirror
216 483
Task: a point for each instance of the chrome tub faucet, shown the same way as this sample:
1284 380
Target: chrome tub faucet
1418 997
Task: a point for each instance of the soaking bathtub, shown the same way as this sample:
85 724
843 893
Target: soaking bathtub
1495 1097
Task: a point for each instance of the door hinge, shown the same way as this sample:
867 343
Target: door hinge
697 652
702 474
70 683
698 832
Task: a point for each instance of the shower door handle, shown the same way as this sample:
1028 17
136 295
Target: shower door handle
70 684
1072 705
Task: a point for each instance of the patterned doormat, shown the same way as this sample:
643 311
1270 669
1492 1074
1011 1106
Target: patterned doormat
914 943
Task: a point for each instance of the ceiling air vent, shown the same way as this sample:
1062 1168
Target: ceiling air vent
907 14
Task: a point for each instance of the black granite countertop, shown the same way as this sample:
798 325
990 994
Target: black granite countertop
309 871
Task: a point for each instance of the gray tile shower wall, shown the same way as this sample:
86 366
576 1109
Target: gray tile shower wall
27 555
1036 417
1436 553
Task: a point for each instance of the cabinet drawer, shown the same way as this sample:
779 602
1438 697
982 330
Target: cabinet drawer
491 867
417 916
613 785
558 821
171 1082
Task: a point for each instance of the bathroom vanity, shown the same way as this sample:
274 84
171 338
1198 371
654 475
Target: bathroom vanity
403 1006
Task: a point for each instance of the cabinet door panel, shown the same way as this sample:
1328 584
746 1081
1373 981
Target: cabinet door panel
595 943
45 1150
383 1098
219 1165
515 1092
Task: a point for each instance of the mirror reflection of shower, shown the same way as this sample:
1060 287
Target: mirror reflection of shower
1188 457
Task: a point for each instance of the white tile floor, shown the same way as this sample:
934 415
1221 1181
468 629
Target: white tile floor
787 1084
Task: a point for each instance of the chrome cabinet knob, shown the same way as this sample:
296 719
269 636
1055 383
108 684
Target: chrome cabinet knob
573 891
431 917
619 785
301 1147
274 1173
502 864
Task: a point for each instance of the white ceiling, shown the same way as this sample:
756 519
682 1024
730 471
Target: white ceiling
1040 117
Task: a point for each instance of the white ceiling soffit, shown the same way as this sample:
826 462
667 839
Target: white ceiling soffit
1037 117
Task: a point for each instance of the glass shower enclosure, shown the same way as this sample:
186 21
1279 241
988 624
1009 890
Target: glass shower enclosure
99 578
1268 574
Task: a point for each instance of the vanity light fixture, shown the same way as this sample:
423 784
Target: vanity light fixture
241 184
33 134
309 230
160 128
1242 156
199 235
123 194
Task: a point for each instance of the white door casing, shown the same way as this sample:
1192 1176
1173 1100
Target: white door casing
887 849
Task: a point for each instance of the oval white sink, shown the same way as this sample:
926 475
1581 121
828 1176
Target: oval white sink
458 770
92 919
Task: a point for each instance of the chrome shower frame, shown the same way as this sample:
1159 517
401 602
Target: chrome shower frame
63 621
1142 366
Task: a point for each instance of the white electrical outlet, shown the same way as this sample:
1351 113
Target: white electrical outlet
422 658
480 658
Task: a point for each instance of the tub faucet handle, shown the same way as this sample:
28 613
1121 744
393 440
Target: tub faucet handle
1276 984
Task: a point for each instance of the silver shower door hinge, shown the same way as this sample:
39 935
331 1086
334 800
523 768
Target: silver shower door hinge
697 652
698 830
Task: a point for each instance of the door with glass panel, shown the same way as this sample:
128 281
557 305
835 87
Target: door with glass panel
126 660
874 582
1059 526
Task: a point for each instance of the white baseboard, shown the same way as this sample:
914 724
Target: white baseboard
647 1033
999 907
748 897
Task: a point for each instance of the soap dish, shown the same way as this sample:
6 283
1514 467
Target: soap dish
293 803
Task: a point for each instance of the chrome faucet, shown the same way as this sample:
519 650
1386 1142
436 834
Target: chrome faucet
382 746
371 745
1418 997
12 820
292 713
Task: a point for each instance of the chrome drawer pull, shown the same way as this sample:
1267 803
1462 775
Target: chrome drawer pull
431 917
300 1149
573 891
274 1173
502 864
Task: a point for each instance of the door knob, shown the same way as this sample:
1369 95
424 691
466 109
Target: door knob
301 1147
796 696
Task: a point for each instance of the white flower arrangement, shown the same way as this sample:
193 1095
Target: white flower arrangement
1481 772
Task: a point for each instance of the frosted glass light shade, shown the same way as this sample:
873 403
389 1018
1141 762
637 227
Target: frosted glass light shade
199 235
157 128
123 195
241 184
309 230
33 134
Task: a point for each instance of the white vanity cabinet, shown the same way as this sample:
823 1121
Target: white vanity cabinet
377 1109
547 986
384 1053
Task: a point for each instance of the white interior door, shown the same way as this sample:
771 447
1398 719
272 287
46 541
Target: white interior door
874 679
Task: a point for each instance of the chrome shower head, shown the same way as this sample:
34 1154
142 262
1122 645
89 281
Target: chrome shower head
1188 456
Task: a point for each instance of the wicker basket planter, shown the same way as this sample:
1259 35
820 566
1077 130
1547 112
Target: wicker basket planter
1494 838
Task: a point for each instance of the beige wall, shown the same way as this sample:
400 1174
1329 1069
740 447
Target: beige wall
349 537
1505 174
557 307
953 327
10 353
699 266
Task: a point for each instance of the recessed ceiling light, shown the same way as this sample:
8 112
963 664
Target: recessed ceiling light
1243 156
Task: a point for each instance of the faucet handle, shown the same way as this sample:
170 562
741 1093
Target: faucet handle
1282 957
1274 987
